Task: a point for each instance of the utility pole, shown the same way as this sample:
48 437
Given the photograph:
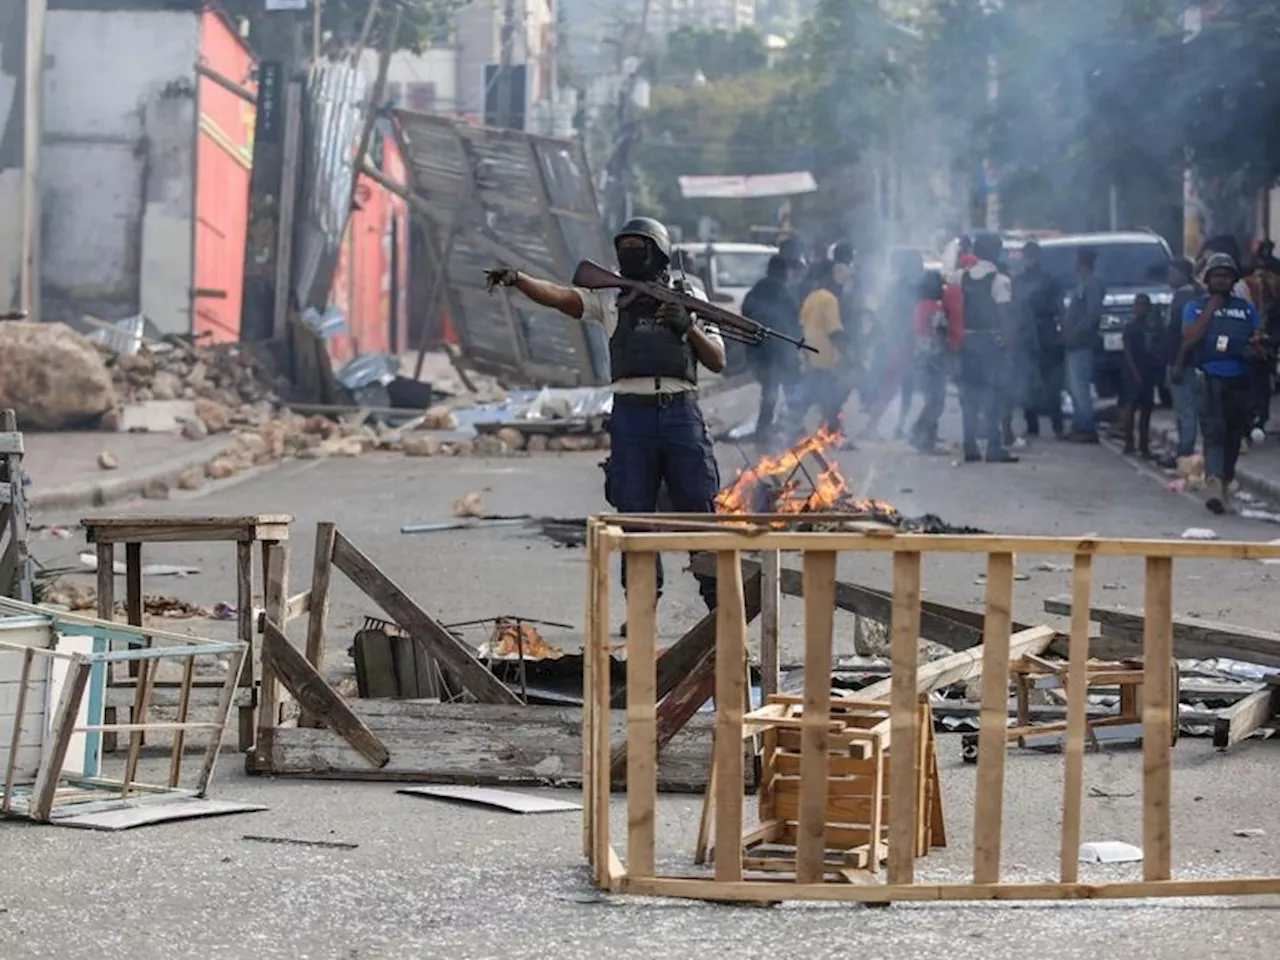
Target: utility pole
276 38
617 201
506 55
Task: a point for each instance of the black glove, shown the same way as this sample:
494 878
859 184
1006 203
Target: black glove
676 317
500 277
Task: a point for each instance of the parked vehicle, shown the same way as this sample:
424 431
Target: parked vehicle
727 271
1129 264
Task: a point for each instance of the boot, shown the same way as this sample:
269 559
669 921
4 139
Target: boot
1214 495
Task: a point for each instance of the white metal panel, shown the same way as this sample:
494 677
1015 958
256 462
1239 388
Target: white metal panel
24 632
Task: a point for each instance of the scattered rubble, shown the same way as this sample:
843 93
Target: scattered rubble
470 505
53 378
108 460
82 596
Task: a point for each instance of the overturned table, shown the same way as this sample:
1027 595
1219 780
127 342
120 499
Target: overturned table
270 530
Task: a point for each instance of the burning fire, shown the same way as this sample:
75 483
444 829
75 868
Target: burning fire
783 483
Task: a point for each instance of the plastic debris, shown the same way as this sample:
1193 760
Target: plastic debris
1199 533
1249 832
1109 851
1270 516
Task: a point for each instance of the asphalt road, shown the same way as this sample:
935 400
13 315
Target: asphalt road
430 880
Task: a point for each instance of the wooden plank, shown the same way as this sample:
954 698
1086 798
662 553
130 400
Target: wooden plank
141 709
904 696
775 891
15 741
936 622
963 666
770 611
184 710
1193 638
482 744
1242 719
64 721
819 629
730 653
321 578
10 442
196 522
882 542
1157 727
599 573
642 707
1077 720
689 694
182 532
452 653
309 688
989 801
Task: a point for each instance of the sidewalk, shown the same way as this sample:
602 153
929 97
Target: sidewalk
65 474
1258 471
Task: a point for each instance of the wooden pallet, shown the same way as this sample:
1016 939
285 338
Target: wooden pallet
820 551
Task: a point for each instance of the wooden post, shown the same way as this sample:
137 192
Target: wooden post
994 720
770 604
600 672
731 647
903 730
1077 722
184 708
244 631
275 578
317 615
642 720
133 595
1157 726
819 626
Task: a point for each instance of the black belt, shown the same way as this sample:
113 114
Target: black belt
656 399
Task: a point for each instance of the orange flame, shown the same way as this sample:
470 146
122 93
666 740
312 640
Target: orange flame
509 639
788 487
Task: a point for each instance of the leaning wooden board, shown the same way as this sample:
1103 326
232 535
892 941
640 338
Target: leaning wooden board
482 744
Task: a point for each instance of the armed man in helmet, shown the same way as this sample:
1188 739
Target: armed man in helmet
656 428
1221 336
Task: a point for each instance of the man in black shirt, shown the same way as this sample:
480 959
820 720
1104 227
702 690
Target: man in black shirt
776 365
1039 297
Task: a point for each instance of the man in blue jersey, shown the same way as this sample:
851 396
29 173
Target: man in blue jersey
1222 336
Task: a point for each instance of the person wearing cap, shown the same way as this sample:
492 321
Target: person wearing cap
1183 389
1222 336
657 432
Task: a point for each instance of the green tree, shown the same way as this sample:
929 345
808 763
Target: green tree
715 54
423 22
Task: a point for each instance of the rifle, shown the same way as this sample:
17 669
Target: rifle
592 276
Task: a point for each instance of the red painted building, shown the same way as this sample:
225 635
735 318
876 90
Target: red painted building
224 159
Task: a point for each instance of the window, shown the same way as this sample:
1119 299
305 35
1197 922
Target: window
420 97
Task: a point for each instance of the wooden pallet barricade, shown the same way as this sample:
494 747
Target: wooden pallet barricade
730 880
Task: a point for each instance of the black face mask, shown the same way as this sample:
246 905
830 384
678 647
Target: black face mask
635 263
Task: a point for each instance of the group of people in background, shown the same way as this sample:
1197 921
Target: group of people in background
1016 341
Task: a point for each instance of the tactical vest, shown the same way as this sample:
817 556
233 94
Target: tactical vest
643 346
981 313
1228 334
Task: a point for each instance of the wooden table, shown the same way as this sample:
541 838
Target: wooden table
270 530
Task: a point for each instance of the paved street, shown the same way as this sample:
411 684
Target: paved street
432 880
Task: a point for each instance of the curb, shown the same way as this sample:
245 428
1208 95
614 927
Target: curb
112 489
1249 480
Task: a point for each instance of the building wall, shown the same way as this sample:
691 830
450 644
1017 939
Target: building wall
117 177
370 283
21 30
427 81
224 161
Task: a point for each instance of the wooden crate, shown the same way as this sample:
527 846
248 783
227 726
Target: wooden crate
820 552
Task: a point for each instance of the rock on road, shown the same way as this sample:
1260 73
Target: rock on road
433 880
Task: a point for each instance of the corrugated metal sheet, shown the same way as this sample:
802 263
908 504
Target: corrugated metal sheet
336 94
501 196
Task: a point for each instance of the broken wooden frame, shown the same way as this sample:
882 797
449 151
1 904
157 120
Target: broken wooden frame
16 568
820 552
498 740
1198 639
269 530
42 781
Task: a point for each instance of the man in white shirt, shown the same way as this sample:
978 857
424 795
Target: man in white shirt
656 430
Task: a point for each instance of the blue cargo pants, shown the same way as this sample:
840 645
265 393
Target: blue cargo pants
657 438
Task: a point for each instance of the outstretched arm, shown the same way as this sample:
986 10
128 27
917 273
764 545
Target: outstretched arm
542 292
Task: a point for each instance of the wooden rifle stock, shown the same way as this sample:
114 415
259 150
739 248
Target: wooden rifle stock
591 276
